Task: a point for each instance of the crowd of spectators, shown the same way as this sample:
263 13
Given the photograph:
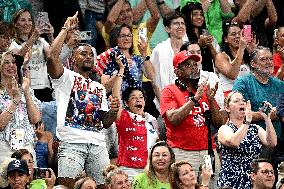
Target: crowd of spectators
143 94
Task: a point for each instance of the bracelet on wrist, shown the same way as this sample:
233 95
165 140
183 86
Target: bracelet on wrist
161 2
15 102
193 99
204 185
147 58
247 122
119 75
9 111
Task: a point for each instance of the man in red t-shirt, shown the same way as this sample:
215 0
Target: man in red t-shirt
183 105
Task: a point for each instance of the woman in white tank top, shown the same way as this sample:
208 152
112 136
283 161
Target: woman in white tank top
234 60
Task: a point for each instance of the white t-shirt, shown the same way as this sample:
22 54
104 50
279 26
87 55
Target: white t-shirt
78 103
37 63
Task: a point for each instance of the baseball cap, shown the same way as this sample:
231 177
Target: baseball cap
18 165
182 56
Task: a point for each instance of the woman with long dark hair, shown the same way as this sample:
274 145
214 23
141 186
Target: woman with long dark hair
196 32
234 60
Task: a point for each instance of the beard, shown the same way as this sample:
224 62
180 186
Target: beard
263 73
86 68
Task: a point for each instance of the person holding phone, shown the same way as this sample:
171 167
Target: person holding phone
46 181
121 38
19 109
234 60
241 141
27 38
259 86
182 176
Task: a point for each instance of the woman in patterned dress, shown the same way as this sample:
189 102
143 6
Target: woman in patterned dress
19 109
241 142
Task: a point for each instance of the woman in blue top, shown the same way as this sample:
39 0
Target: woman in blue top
241 142
135 65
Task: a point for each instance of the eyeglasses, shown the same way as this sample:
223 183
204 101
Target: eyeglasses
192 3
123 36
266 171
232 24
265 59
178 24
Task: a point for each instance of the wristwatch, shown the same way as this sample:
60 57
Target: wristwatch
147 58
160 2
247 122
196 103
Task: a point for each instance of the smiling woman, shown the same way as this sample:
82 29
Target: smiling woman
19 109
156 174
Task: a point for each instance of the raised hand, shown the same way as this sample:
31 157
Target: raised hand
118 60
15 90
243 41
252 44
248 111
114 104
142 47
71 22
211 92
26 81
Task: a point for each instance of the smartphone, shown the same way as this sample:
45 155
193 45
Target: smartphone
40 173
142 33
247 32
208 163
265 107
85 35
205 32
43 18
203 80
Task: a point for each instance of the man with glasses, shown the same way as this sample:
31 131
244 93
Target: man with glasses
262 175
184 106
259 86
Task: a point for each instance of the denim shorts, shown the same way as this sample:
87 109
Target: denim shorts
41 149
75 158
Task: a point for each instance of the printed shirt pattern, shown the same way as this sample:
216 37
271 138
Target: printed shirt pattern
84 105
236 161
191 133
133 73
20 118
136 136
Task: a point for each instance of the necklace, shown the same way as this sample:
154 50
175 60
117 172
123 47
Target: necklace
182 86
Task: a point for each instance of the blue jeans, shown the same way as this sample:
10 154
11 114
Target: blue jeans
41 150
91 18
49 116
